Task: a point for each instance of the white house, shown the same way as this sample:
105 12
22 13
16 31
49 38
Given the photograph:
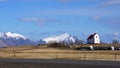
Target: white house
93 39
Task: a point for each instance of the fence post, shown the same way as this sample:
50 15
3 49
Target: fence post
115 57
56 57
84 56
14 54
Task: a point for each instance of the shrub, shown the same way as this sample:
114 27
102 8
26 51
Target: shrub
60 45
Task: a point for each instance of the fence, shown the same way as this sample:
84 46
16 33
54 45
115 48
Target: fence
54 53
63 55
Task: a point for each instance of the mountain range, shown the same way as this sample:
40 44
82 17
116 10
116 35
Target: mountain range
14 39
64 38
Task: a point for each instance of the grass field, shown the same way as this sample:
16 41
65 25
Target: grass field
39 52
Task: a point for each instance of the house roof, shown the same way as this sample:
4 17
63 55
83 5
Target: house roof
91 36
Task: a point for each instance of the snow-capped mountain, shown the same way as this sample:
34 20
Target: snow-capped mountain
11 35
14 39
66 38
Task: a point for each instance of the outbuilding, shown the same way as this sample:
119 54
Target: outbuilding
93 39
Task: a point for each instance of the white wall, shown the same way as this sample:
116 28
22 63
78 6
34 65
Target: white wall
96 39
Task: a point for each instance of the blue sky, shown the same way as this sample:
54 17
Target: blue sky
38 19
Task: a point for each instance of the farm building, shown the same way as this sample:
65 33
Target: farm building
93 39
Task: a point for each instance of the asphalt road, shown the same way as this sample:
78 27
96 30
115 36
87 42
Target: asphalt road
47 63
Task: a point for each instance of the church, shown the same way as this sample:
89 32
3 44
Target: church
93 39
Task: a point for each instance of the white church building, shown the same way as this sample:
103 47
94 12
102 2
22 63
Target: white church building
93 39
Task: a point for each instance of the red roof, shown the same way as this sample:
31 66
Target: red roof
91 36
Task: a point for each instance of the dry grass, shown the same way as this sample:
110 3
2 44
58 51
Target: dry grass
56 53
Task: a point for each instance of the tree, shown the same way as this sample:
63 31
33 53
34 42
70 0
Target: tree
58 44
115 41
101 42
79 42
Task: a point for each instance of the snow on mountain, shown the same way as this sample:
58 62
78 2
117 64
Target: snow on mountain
11 35
14 39
15 35
66 38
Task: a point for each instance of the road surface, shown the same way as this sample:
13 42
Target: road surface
49 63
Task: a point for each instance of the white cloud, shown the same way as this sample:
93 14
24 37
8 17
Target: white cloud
96 17
116 34
2 0
42 21
83 12
66 1
39 21
111 21
111 2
